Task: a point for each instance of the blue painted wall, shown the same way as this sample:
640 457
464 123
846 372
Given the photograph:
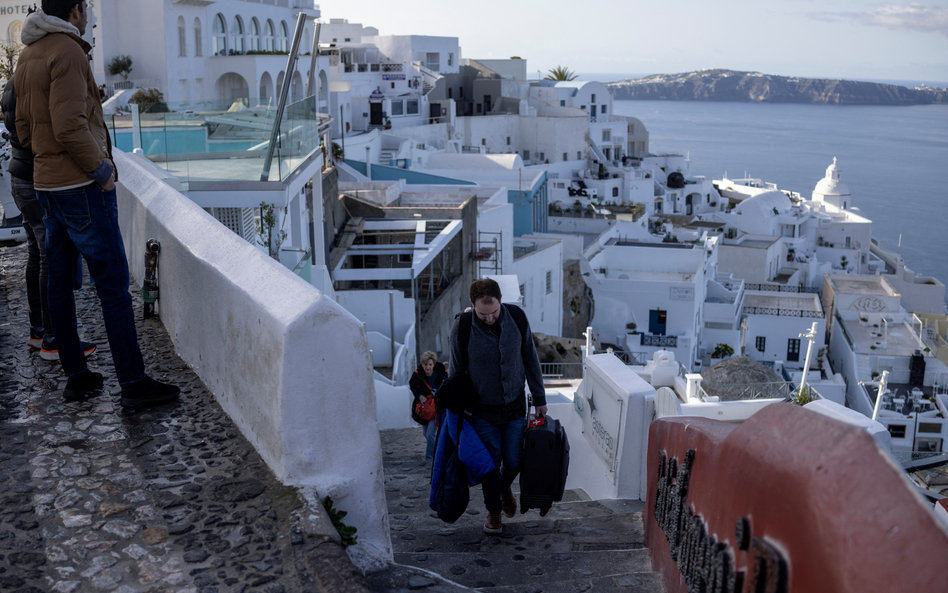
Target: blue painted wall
530 208
383 173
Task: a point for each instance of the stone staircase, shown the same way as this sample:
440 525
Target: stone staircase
385 158
581 545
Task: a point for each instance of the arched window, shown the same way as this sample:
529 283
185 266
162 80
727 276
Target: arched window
198 45
182 38
237 36
14 31
254 42
268 36
283 35
220 36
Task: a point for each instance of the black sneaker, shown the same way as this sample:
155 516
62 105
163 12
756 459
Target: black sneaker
148 392
50 351
36 337
78 387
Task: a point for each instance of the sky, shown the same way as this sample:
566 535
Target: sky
861 40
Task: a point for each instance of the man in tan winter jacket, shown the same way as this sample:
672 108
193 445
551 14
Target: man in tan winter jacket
59 118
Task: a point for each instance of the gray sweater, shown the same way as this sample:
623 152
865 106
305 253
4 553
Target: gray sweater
499 365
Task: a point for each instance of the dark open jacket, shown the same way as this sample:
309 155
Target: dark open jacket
21 163
418 387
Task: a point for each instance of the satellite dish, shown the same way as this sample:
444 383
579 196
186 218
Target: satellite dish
666 403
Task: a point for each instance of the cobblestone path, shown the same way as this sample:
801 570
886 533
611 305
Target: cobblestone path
580 545
168 499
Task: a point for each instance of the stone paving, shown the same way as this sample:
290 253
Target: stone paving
168 499
580 545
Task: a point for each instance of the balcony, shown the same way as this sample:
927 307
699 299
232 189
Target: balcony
213 141
659 341
373 67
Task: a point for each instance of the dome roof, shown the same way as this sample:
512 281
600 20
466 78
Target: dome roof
765 202
738 378
831 185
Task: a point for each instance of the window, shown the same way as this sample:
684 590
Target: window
793 350
526 155
615 192
483 141
393 84
347 39
220 36
450 59
449 93
398 108
583 107
198 46
237 36
897 431
579 155
631 129
182 38
433 61
607 135
478 107
657 320
268 36
254 35
562 102
283 37
542 157
523 292
549 281
761 343
603 109
565 157
593 98
411 107
461 92
508 140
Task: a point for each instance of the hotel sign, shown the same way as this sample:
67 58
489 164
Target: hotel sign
601 424
707 561
676 293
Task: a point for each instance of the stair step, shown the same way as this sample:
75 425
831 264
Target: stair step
482 570
605 533
638 582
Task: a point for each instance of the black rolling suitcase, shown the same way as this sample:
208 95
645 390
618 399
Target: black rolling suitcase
544 466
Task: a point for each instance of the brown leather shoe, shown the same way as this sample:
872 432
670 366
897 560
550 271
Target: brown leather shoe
510 503
493 525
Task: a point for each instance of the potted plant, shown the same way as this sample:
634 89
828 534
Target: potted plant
388 123
863 320
722 351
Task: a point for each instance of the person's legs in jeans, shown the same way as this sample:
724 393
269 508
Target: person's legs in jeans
37 271
511 451
84 221
431 433
491 437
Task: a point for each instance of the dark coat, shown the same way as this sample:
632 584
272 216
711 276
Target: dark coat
418 387
21 163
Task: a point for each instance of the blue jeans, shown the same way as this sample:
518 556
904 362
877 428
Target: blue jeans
505 444
430 431
84 221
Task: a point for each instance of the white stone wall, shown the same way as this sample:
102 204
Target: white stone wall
543 309
287 363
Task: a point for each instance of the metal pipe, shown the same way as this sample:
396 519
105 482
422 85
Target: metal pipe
391 326
284 92
314 61
881 391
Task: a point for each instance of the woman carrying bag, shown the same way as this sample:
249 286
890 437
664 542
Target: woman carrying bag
424 382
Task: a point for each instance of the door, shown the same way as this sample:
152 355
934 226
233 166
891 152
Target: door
486 104
593 112
434 112
656 322
793 350
375 114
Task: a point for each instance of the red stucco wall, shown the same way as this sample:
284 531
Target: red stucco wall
819 491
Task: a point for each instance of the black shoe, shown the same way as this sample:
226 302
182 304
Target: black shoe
78 387
148 392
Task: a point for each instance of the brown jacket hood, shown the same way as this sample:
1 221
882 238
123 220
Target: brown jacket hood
59 116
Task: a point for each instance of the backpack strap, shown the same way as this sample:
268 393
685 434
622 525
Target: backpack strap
464 334
520 318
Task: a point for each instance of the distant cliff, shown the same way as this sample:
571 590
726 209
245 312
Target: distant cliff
728 85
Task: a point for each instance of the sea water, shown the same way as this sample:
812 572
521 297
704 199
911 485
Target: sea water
894 159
